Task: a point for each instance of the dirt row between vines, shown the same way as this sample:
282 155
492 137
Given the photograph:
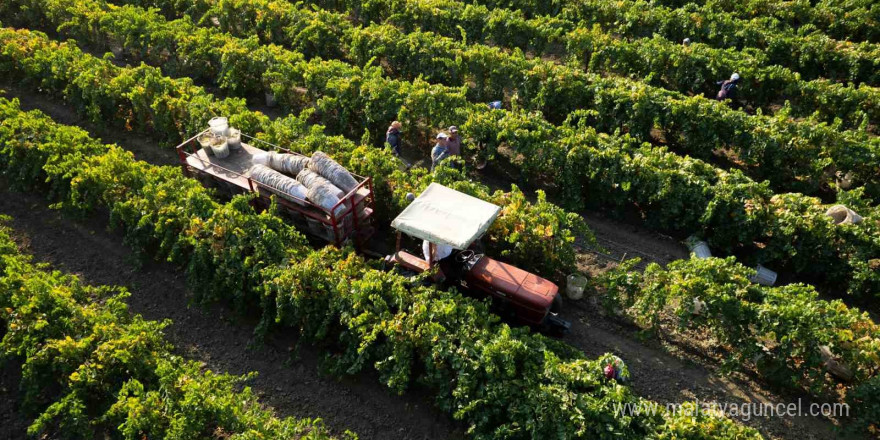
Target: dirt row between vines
662 372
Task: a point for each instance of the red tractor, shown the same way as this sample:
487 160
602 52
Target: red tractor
443 217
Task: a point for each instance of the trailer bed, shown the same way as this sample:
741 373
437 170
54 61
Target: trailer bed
234 171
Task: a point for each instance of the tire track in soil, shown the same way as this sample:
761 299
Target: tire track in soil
13 421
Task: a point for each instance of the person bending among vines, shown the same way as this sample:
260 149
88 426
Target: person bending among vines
729 89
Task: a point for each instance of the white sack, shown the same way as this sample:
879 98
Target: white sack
324 197
287 187
332 171
290 164
311 179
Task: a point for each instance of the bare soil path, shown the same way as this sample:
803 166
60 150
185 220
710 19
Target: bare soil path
13 422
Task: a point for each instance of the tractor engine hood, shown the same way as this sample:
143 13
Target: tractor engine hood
526 290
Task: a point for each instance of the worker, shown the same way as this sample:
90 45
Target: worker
442 257
453 144
441 251
616 370
728 88
440 150
392 137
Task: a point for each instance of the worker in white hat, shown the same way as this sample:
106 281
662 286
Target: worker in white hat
728 88
440 150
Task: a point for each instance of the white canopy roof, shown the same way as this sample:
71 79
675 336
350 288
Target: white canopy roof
444 216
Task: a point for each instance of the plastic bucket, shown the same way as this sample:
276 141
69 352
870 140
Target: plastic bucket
764 277
205 142
234 139
698 248
843 215
221 150
219 125
574 286
270 99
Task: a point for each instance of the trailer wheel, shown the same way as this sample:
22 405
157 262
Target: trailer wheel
556 307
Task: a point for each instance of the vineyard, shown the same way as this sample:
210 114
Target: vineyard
608 144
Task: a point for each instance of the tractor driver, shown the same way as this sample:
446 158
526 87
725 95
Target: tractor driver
442 256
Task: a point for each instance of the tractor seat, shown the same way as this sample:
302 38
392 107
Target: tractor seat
411 262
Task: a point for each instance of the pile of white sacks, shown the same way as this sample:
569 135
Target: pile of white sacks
318 179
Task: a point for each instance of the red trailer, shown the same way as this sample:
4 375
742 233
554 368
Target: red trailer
232 175
443 216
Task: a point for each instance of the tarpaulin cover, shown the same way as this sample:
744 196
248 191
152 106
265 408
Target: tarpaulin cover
444 216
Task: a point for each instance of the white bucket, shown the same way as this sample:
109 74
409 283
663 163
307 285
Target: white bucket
270 99
221 149
574 287
764 277
698 248
843 215
234 139
205 141
219 125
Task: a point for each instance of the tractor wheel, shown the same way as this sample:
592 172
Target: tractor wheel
556 307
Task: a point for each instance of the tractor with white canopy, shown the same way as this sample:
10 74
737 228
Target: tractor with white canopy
445 217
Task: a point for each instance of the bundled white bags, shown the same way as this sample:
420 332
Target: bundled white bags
325 197
320 191
310 179
286 187
332 171
320 179
290 164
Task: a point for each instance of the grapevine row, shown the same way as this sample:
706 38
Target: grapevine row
801 156
501 382
788 232
688 69
90 367
852 20
814 55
